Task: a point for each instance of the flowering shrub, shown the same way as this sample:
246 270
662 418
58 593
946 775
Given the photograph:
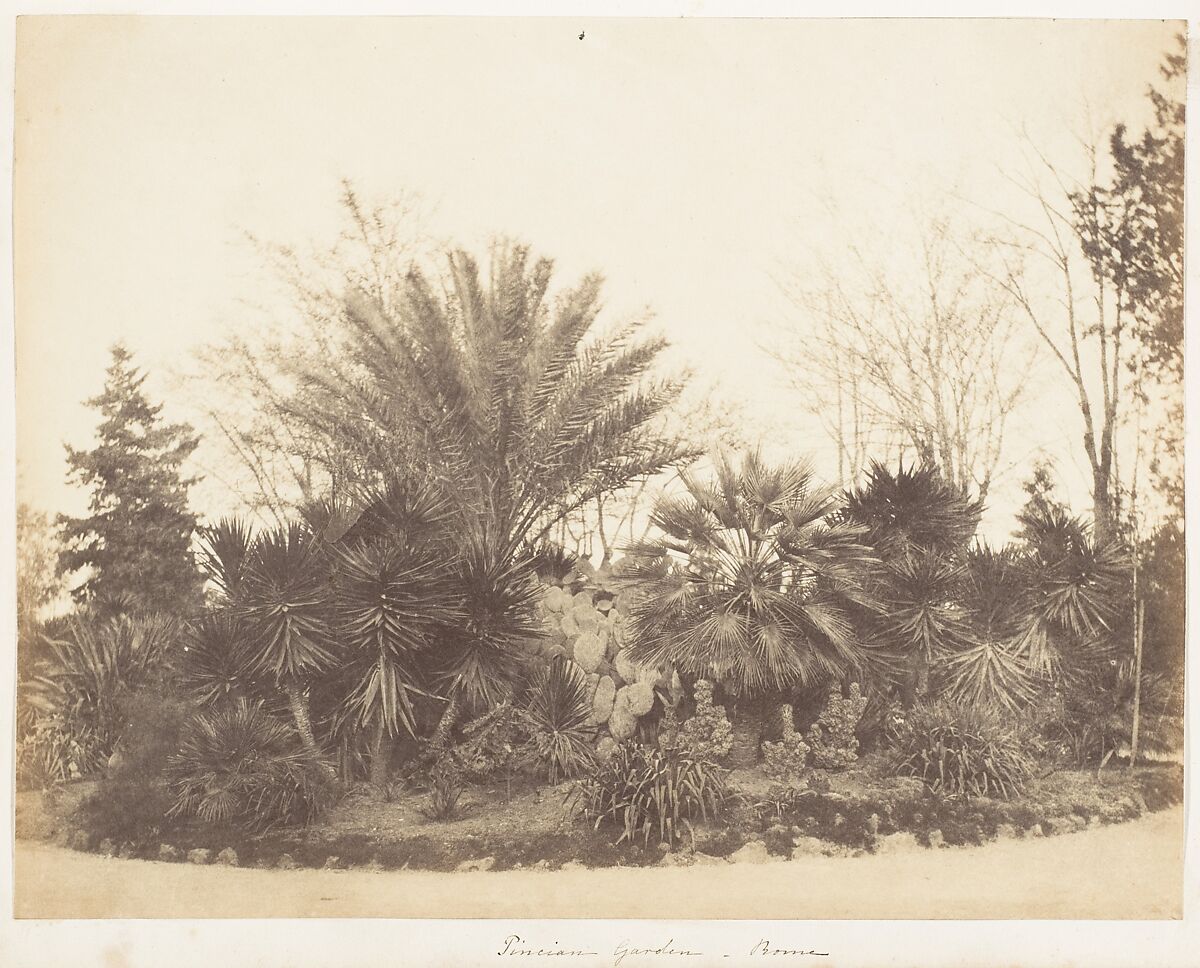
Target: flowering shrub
831 737
707 735
786 760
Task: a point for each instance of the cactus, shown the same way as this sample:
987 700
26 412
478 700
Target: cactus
625 667
834 745
602 701
708 733
589 650
641 698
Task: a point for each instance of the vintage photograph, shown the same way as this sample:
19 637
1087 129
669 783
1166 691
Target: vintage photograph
599 468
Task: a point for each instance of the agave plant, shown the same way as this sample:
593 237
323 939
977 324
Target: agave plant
748 584
559 709
394 602
84 675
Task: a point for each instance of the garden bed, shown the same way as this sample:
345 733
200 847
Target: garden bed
532 826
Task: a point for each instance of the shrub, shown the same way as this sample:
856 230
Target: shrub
647 792
707 735
242 766
495 744
445 789
559 711
831 737
131 799
56 750
962 751
786 760
81 682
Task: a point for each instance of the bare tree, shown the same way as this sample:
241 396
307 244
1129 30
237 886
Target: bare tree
923 361
1067 292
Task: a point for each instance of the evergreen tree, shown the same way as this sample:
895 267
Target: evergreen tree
135 542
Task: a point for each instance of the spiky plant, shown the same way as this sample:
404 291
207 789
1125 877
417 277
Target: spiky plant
920 525
224 552
1075 590
85 674
962 751
216 661
987 667
242 766
285 607
748 584
646 792
394 601
481 657
559 712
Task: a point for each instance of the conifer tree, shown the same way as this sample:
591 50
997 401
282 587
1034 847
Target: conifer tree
135 542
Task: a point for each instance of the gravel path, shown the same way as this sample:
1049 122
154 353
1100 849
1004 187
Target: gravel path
1132 870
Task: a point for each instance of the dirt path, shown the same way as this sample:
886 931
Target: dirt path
1132 870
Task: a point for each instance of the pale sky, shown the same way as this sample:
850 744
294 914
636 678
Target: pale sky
684 159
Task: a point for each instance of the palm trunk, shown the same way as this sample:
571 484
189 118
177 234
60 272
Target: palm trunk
441 736
299 706
747 727
381 759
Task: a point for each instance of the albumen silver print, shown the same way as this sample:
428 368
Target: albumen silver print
600 471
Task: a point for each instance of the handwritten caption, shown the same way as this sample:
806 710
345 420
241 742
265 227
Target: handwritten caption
516 946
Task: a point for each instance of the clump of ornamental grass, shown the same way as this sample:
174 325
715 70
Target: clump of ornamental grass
962 751
646 792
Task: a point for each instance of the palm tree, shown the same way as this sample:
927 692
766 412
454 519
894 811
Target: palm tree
491 391
748 584
920 526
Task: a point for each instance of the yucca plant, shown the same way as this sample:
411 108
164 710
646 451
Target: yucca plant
748 584
559 709
919 525
394 601
284 605
224 552
240 765
1075 590
646 792
481 658
216 660
986 666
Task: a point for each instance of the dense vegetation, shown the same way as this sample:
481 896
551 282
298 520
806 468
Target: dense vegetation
408 621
